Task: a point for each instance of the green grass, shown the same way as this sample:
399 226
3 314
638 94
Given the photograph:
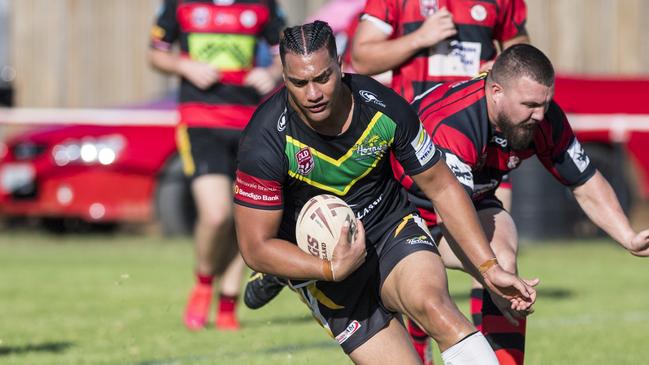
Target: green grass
118 300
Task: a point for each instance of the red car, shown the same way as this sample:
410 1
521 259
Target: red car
100 167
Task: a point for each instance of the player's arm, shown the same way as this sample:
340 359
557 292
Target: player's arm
597 198
372 39
456 209
256 232
264 79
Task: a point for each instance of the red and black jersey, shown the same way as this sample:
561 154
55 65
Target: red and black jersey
223 33
479 23
455 115
282 163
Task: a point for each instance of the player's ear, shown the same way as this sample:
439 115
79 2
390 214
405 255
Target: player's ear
497 90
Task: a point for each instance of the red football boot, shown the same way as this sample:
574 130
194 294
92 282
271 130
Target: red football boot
198 307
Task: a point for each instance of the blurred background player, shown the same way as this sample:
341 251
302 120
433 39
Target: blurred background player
220 88
486 127
434 41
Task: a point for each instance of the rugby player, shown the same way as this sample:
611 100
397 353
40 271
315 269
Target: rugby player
435 41
326 132
485 128
219 90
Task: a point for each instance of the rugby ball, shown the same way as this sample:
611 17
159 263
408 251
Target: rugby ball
319 223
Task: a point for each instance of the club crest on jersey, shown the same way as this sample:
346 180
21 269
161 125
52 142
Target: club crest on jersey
305 162
478 13
248 18
370 97
513 162
200 16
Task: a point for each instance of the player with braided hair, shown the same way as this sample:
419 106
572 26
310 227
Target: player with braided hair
313 137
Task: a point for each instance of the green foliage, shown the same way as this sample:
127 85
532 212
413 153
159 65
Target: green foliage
118 300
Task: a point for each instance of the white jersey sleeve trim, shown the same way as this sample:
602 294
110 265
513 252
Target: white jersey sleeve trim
383 26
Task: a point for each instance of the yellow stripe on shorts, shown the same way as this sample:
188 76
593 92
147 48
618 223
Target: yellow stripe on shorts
185 150
403 223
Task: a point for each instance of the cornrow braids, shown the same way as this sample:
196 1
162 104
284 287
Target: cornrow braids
307 38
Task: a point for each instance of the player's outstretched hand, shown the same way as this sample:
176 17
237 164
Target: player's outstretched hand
506 307
349 255
639 245
519 292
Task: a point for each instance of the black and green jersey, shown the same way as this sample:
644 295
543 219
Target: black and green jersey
283 163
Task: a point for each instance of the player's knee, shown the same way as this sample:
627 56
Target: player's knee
430 308
217 220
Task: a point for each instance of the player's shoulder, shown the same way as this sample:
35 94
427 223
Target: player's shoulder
269 120
374 95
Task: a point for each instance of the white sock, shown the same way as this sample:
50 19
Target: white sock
473 350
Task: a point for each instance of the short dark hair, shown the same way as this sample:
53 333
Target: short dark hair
307 38
522 60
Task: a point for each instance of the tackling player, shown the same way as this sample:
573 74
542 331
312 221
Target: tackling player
325 133
485 128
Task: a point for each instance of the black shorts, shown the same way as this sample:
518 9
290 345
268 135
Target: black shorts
351 310
489 201
207 151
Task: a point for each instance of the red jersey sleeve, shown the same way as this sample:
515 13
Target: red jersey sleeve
166 30
559 150
512 16
386 11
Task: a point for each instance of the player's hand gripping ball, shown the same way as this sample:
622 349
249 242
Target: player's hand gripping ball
319 224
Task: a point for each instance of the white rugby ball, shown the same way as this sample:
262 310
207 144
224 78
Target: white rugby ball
318 226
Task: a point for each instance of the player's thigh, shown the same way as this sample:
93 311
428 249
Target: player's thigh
389 346
500 231
213 195
410 266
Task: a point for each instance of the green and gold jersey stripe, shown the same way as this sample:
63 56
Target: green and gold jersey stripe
339 175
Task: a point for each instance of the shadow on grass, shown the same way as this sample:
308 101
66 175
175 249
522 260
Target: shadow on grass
283 320
233 355
51 347
544 292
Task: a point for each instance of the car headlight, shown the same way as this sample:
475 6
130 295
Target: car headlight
90 150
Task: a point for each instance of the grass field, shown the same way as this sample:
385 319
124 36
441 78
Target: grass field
118 300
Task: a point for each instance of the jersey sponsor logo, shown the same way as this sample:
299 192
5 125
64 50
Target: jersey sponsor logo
248 18
478 13
305 161
223 2
200 16
455 59
362 213
502 142
513 162
281 122
348 332
423 146
250 189
370 97
461 170
578 155
371 147
419 240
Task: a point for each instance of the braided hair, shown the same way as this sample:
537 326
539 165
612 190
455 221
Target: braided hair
307 38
